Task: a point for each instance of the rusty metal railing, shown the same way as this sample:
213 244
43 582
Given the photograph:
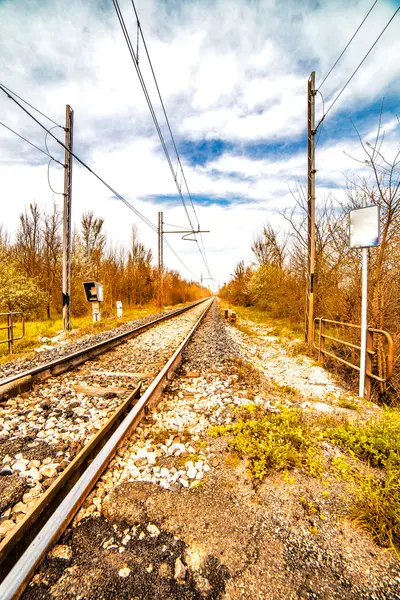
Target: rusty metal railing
371 334
11 338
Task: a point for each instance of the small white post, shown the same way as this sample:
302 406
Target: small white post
364 325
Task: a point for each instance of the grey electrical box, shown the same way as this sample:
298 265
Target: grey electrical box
93 291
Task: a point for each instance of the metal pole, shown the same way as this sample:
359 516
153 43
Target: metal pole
311 207
160 259
364 326
66 264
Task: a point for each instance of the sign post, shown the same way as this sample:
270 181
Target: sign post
364 233
95 295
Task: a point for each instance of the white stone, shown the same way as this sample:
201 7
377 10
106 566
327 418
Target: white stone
61 551
124 572
49 470
191 472
153 530
180 570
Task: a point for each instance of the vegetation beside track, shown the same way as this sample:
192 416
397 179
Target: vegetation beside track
368 464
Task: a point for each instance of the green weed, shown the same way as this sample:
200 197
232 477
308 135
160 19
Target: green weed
347 404
377 507
377 441
274 441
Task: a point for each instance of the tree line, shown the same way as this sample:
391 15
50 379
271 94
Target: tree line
275 281
31 267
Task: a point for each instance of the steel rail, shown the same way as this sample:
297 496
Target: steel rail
21 382
18 578
11 545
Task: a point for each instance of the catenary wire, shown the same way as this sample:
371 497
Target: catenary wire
111 189
163 106
351 39
31 143
152 112
119 196
201 250
355 71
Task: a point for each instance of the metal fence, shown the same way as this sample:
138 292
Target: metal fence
11 337
320 325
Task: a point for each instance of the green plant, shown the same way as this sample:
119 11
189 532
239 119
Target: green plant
342 469
273 441
347 404
376 441
377 507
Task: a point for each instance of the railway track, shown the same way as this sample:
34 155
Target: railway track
24 380
27 543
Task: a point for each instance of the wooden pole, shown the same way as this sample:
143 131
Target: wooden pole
160 260
311 208
66 263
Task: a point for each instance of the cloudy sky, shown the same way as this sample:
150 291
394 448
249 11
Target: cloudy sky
233 75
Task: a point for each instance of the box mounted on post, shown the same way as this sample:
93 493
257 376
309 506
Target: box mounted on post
94 295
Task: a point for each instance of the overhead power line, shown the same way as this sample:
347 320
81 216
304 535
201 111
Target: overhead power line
355 71
31 106
135 61
351 39
31 143
140 30
109 187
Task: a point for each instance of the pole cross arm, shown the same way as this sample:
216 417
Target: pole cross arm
187 232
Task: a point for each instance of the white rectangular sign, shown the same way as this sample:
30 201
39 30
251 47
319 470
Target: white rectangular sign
364 227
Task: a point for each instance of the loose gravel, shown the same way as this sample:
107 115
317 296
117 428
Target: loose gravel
69 345
177 516
42 430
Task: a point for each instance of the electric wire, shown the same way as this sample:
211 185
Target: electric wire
31 143
163 106
154 117
31 106
79 160
355 71
351 39
108 186
48 180
201 250
166 242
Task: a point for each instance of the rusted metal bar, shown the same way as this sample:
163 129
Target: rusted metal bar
371 331
334 339
368 364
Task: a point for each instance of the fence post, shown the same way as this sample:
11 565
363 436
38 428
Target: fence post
10 333
322 341
368 363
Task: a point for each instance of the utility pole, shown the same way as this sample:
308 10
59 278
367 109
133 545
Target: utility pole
160 259
309 328
364 317
66 263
